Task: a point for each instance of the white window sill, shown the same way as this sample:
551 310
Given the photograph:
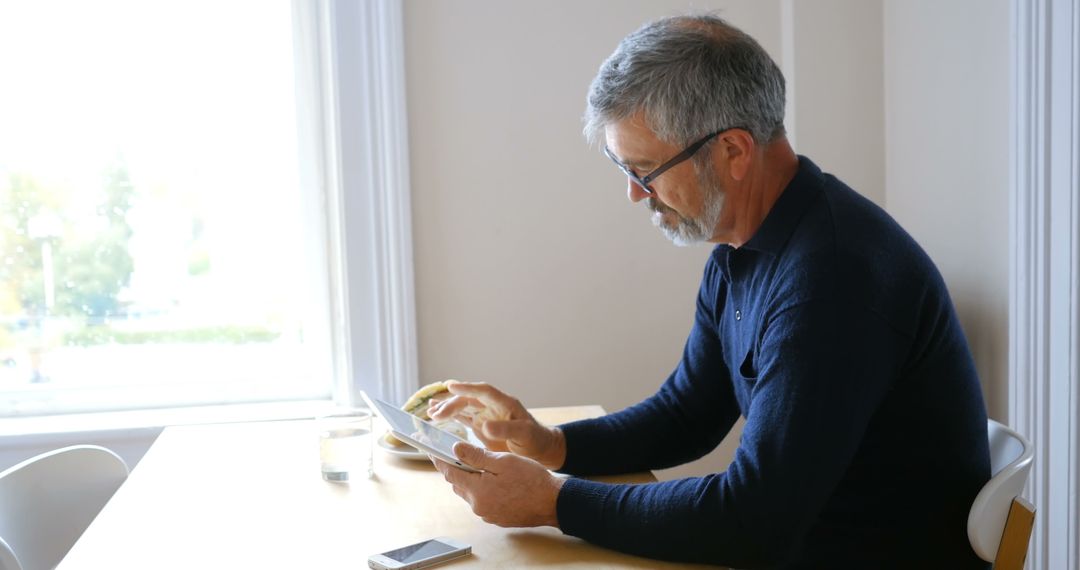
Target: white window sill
29 427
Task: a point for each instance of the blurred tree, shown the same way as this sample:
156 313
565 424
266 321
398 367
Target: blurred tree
89 272
22 200
92 273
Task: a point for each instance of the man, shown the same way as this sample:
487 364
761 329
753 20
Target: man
818 319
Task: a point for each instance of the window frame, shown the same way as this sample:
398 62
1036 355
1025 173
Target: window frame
343 52
367 176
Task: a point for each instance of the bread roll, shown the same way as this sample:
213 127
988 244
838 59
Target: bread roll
417 405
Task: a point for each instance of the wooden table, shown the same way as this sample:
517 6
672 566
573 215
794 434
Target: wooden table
251 496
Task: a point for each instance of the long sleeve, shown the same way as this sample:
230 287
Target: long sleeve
688 417
793 453
833 334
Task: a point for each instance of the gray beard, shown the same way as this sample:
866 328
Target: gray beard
688 231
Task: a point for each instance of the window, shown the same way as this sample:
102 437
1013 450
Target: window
160 244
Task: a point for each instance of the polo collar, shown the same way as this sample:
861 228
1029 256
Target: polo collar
788 210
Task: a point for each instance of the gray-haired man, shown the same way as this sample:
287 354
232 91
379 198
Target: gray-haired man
818 319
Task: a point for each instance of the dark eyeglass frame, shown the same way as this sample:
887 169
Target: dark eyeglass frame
643 181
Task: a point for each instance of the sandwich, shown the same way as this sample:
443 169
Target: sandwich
417 405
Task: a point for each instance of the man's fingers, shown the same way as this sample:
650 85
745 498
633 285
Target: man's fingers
514 430
450 473
451 407
453 474
484 392
440 465
474 456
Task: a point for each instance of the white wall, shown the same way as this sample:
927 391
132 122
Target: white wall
839 90
947 144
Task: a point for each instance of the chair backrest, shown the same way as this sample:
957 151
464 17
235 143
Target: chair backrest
7 557
46 502
1010 463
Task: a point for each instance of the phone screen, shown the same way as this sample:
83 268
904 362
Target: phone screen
418 552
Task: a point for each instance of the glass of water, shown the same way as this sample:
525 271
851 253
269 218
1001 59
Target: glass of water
345 442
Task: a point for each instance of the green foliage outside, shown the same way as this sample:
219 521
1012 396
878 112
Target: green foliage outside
91 267
20 272
89 271
93 272
104 334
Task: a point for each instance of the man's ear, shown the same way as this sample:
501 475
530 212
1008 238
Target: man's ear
737 149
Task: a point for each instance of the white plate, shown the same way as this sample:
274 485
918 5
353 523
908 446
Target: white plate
407 451
404 451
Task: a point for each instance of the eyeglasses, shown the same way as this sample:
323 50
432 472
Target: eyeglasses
644 181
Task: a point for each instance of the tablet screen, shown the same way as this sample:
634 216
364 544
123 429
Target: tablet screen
407 424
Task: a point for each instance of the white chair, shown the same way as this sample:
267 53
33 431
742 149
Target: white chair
46 502
1000 521
7 557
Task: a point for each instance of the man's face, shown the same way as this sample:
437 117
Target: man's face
687 201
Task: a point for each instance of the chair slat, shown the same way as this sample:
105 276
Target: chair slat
1014 540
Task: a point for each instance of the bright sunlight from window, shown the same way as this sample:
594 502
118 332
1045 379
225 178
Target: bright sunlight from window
151 243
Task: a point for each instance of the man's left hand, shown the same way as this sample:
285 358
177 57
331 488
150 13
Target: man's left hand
512 491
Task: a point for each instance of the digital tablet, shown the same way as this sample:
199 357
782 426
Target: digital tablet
420 434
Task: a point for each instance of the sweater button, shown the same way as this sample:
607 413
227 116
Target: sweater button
738 315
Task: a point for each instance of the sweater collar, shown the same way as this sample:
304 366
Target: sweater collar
785 214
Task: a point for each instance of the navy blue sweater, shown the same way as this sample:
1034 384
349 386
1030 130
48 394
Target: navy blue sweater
832 333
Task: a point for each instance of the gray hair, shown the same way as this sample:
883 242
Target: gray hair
691 76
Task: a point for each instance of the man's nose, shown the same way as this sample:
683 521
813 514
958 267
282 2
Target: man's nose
634 191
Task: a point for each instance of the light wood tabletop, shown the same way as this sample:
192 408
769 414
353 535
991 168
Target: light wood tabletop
250 495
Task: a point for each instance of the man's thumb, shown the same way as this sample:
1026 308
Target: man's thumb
474 456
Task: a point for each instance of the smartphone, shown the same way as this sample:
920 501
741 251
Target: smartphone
420 555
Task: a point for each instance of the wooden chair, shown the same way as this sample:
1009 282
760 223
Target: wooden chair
46 502
1000 521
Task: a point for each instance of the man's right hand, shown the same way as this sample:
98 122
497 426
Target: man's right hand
501 422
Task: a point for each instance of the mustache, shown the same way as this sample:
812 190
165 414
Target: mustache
657 206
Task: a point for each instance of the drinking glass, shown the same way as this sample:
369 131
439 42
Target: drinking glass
345 442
